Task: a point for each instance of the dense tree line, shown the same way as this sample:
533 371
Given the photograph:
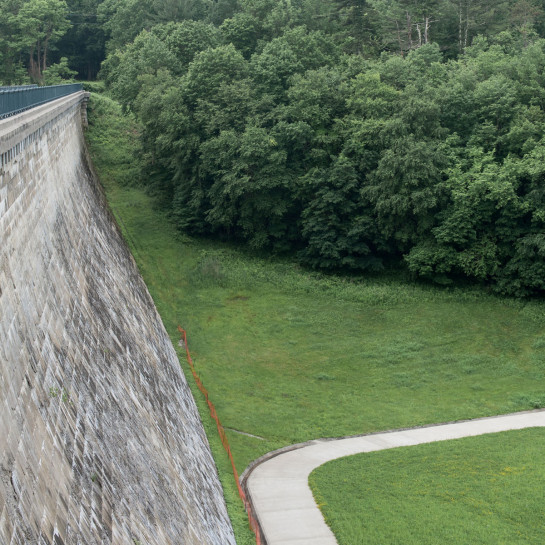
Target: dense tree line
36 33
355 133
293 127
46 41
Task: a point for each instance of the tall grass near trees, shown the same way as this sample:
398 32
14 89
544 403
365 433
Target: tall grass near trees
290 355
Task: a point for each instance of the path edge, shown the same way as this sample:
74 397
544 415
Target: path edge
274 453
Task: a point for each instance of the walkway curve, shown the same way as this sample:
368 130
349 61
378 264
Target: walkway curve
277 484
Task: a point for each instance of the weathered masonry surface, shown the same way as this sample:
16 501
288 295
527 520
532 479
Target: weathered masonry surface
100 439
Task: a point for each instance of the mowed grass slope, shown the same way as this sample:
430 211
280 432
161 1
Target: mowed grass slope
290 355
485 490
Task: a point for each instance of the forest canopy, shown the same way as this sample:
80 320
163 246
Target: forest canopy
356 134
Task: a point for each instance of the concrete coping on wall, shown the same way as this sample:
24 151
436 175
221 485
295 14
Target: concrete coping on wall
18 130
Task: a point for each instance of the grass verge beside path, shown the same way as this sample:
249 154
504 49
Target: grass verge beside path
485 490
289 355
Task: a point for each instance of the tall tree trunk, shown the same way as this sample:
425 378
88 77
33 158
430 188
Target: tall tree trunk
38 63
468 2
460 47
44 59
427 30
409 32
399 40
32 65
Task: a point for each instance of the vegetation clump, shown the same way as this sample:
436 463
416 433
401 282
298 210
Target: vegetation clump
270 129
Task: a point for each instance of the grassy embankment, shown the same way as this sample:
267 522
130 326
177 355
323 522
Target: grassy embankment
484 490
289 355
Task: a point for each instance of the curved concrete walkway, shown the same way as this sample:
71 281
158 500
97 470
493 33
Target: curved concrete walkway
278 483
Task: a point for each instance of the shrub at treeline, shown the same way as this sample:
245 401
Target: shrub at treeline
354 133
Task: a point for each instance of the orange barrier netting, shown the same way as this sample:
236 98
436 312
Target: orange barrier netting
251 518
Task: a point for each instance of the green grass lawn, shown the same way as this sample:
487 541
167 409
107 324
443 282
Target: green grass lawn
289 355
485 490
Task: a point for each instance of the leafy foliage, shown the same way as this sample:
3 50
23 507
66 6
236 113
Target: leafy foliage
270 131
353 133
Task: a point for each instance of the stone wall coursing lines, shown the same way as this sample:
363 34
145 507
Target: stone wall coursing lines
100 439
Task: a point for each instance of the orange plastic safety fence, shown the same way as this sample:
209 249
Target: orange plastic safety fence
251 518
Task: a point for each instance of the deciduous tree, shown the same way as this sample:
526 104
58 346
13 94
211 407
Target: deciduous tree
40 23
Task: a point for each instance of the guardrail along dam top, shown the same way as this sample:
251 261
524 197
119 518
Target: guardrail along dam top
100 439
18 98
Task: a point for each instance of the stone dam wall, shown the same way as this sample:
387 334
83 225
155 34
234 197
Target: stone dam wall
100 439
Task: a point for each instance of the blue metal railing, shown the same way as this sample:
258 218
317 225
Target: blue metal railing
14 100
17 87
